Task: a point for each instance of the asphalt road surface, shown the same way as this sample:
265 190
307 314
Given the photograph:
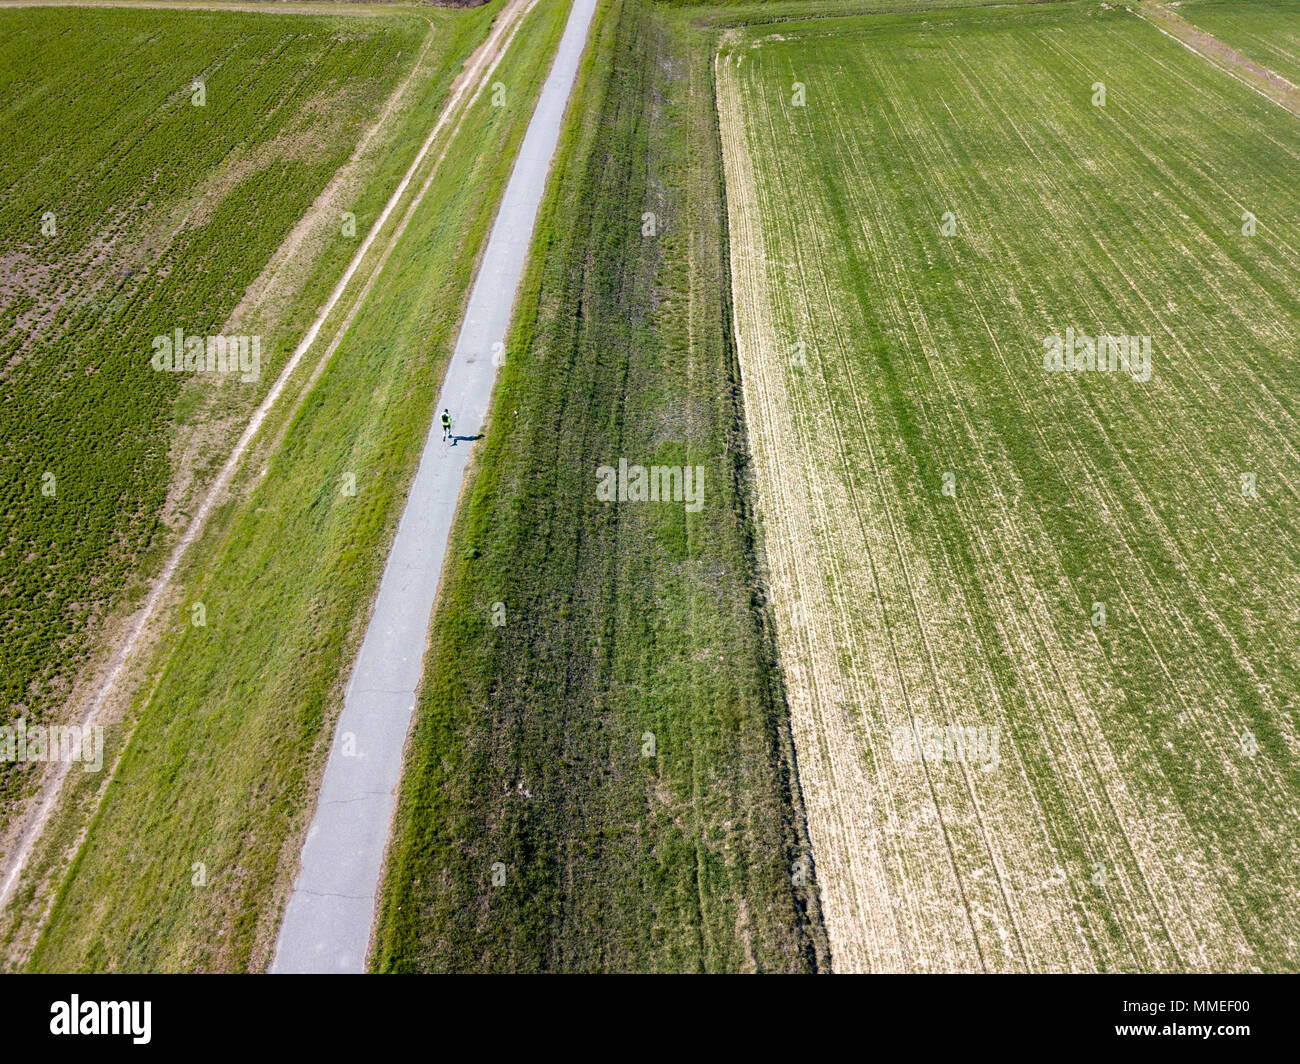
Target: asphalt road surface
328 920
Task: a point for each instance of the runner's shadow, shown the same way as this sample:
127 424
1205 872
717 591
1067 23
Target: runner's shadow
465 439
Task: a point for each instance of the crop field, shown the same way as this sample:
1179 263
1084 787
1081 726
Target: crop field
225 743
1268 31
1036 614
153 162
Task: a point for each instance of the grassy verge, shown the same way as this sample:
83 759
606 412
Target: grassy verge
604 781
188 858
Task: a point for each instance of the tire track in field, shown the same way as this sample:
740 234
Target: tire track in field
840 876
764 332
1097 754
850 498
1119 269
1167 537
902 293
910 589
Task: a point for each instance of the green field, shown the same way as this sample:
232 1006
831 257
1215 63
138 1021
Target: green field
1267 31
126 212
946 517
231 729
532 747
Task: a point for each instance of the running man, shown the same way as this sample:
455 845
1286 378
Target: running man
446 425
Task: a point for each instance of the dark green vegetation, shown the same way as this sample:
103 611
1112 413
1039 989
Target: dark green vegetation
228 743
622 622
162 214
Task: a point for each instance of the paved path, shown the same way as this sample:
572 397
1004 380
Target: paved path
328 920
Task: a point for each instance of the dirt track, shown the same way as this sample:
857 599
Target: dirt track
1266 82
